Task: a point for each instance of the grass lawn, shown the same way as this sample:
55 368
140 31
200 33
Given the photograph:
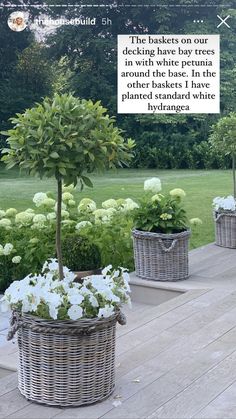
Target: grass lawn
201 187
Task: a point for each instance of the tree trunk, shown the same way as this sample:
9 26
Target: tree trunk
234 176
58 229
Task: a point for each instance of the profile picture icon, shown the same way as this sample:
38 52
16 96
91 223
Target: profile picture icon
17 21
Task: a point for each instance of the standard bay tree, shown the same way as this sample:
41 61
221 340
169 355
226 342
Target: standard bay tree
66 138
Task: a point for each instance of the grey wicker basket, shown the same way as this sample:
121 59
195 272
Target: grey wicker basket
66 363
225 229
161 257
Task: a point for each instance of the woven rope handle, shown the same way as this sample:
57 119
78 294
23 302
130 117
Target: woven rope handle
167 249
217 219
17 322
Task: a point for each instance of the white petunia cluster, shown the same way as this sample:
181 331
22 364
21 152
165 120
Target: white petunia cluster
224 203
46 296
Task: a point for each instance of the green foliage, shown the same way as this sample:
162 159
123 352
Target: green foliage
223 137
164 214
114 240
80 254
65 137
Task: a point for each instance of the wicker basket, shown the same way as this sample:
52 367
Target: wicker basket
225 229
66 363
161 257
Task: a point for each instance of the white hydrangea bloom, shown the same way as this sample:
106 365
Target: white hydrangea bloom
5 223
102 216
71 203
65 214
2 214
153 185
51 216
129 205
83 224
8 248
10 212
67 196
87 204
69 188
24 218
38 198
177 193
109 203
48 202
63 207
16 259
39 218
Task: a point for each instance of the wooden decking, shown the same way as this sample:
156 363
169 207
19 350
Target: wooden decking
175 360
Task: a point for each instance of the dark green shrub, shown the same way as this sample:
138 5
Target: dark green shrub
79 254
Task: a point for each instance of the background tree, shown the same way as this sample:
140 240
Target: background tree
66 138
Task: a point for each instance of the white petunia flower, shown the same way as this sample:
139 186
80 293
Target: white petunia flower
228 203
53 311
75 297
106 269
93 301
75 312
153 185
105 312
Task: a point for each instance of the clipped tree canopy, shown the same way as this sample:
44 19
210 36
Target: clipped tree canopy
66 137
223 136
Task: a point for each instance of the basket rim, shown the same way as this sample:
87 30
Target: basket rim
83 322
142 234
225 213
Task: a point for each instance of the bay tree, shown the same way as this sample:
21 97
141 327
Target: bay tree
223 140
66 138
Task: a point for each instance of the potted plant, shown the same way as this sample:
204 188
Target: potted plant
161 235
223 139
65 138
81 256
64 330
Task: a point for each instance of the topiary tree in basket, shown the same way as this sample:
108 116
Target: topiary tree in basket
66 138
223 139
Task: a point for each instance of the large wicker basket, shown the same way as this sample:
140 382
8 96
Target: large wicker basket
161 257
225 229
66 363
